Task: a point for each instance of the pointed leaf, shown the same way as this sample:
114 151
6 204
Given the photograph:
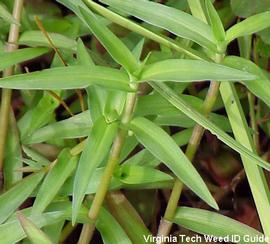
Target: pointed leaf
179 103
215 22
12 231
37 38
83 56
15 196
261 86
68 78
145 158
197 10
38 116
171 19
162 146
182 70
134 27
35 234
21 55
133 174
54 180
96 149
249 26
75 127
13 155
119 52
110 229
255 175
7 16
213 224
127 217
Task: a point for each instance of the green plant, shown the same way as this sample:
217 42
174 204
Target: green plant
136 90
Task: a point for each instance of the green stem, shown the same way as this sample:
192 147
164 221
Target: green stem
6 93
88 229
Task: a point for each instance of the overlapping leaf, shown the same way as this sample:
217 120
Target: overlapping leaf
98 145
15 196
183 70
37 38
21 55
172 97
171 19
33 233
68 78
249 26
261 85
255 174
54 180
213 224
74 127
162 146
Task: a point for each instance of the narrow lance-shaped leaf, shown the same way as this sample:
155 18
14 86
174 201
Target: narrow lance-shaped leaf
214 224
54 180
215 22
54 231
129 181
134 27
182 70
110 229
13 154
134 174
15 196
179 103
12 232
31 153
171 19
196 9
260 86
127 217
7 16
21 55
83 56
98 145
119 52
37 38
75 127
249 26
145 158
68 78
161 145
255 174
95 94
34 234
38 116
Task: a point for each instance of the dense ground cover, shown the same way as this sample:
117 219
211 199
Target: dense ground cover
127 121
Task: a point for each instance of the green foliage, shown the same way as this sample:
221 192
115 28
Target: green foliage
99 102
210 223
166 150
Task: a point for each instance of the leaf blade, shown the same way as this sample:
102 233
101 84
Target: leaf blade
67 78
54 180
20 55
249 26
210 223
166 92
191 70
99 142
35 234
160 144
120 53
15 196
171 19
